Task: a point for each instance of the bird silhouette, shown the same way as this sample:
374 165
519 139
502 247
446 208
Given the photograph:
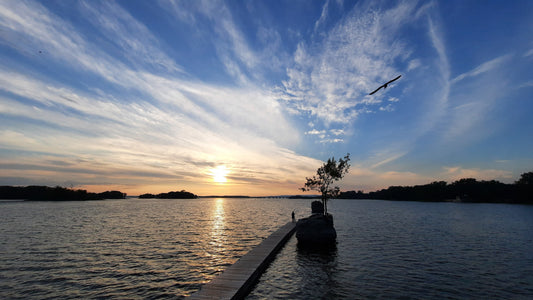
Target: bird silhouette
385 85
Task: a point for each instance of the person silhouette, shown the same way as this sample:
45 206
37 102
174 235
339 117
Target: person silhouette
293 216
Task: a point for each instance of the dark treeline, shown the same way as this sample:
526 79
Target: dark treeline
463 190
45 193
170 195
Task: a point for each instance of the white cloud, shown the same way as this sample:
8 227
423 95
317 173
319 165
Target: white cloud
337 131
331 81
388 107
483 68
133 38
414 64
316 132
393 99
323 16
386 157
247 107
182 9
331 141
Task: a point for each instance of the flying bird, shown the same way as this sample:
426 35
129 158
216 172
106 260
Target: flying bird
385 85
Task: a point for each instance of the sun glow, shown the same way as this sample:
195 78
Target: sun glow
219 174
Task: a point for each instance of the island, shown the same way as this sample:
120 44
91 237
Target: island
170 195
45 193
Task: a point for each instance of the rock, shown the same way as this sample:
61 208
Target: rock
316 230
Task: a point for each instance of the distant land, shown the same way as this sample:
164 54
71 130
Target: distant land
170 195
45 193
463 190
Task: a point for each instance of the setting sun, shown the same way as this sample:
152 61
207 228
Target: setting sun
219 174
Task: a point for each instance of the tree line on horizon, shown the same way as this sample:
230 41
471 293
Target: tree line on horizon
58 193
45 193
463 190
183 194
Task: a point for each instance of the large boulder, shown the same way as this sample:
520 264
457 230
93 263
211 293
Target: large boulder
316 230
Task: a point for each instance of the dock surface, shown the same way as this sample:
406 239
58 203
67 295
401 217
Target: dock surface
238 280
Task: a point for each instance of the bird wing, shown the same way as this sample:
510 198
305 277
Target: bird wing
376 90
393 79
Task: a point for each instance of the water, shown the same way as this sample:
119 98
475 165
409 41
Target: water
128 249
411 250
145 248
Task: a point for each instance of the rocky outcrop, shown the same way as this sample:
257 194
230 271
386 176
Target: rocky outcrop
316 230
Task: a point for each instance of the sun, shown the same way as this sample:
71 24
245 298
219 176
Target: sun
219 174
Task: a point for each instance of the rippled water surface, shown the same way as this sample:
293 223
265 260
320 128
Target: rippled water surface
142 249
135 248
411 250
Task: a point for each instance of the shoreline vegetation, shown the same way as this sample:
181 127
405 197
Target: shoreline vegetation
45 193
464 190
170 195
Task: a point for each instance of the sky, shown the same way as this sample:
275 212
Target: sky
251 97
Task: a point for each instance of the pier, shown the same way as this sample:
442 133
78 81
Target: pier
238 280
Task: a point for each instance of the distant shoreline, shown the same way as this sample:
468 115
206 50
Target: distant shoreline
45 193
467 190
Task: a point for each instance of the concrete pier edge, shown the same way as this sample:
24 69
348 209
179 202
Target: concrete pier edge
238 280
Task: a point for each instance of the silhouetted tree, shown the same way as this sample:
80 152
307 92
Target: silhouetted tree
183 194
146 196
525 179
524 188
111 195
326 175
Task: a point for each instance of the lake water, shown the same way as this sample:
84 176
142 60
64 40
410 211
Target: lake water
145 248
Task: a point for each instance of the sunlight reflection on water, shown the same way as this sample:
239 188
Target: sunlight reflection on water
135 248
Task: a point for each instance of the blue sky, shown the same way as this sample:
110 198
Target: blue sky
249 97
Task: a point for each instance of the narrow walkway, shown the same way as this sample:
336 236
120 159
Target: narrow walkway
237 280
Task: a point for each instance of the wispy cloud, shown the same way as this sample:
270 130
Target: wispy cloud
483 68
323 16
167 127
133 39
385 158
414 64
476 94
331 76
527 84
241 61
529 53
440 103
